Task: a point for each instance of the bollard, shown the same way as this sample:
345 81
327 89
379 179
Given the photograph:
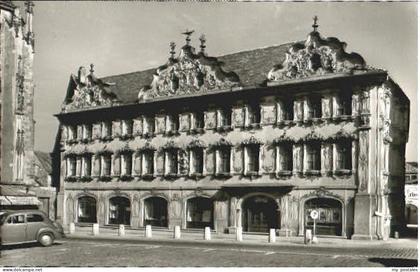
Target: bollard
72 228
148 231
308 236
177 232
396 235
238 233
95 229
121 230
207 235
272 236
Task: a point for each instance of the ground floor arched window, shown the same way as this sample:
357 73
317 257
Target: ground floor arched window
259 214
156 212
119 210
199 212
330 217
86 210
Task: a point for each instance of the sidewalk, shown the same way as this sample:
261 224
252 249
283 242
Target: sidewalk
196 237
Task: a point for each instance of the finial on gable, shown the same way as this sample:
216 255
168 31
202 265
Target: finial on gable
29 6
172 47
203 43
315 24
188 34
91 68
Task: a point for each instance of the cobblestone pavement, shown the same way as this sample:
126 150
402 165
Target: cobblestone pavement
137 253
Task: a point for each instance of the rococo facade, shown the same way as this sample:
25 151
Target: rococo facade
256 139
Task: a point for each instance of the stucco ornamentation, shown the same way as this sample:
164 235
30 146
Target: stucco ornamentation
316 57
86 91
190 73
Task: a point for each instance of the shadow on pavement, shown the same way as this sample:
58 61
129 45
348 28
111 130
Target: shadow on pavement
394 262
28 245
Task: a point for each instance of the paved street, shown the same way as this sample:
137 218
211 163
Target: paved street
123 253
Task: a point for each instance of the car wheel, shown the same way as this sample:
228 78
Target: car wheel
46 239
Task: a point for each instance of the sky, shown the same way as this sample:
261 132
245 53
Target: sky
123 37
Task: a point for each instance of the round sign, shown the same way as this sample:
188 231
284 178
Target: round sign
314 214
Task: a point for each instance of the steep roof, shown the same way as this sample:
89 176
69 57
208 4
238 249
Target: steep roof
44 159
251 66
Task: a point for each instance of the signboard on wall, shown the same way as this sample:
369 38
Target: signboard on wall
411 196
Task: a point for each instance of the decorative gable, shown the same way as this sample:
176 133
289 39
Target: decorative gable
317 56
86 91
190 73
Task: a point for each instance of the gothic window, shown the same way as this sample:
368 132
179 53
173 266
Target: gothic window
285 153
314 156
344 155
126 164
223 166
197 160
344 104
253 152
172 161
314 107
148 159
106 129
254 114
127 127
106 165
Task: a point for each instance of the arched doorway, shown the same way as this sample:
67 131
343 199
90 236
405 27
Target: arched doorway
330 217
119 210
156 212
411 214
259 214
86 209
199 212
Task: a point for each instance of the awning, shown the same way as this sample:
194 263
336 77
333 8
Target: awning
19 200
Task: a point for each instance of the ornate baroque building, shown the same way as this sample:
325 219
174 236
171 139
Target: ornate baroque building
19 187
255 139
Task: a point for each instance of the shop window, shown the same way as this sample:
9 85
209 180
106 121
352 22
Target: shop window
330 216
199 213
156 212
87 210
119 211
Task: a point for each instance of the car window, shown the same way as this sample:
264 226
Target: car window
16 219
34 218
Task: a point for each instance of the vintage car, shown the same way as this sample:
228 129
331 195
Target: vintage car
17 227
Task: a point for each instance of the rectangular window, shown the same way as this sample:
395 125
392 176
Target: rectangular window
287 109
87 132
106 129
88 166
172 123
314 156
72 132
344 156
198 120
126 163
253 158
286 157
224 162
72 165
197 156
149 125
254 114
225 117
314 110
172 163
344 104
148 157
127 127
106 165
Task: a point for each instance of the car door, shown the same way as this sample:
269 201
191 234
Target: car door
34 222
13 229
